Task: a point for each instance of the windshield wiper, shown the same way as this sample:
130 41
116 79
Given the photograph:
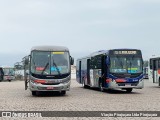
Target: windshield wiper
45 67
59 73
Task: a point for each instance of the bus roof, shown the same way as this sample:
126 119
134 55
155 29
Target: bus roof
49 48
125 49
107 51
100 52
155 57
5 66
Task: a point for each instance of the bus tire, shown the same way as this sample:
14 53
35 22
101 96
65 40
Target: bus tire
159 81
63 92
9 80
129 90
34 93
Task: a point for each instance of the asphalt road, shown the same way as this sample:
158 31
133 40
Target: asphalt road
15 98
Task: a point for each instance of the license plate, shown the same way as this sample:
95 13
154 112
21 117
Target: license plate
50 88
128 85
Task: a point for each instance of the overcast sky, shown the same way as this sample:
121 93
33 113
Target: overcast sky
84 26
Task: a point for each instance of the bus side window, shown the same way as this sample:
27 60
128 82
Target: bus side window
96 62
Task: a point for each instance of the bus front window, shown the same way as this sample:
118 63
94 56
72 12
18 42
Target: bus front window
128 64
50 63
8 71
59 63
40 62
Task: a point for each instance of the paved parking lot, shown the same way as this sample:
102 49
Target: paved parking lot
15 98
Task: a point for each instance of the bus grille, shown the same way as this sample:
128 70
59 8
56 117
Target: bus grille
50 83
123 84
45 88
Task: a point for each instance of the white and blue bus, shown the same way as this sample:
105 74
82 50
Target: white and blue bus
48 68
111 69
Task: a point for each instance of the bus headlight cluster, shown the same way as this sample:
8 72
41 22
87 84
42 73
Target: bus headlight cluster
140 79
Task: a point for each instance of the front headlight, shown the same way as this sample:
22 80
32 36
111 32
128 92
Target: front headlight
140 79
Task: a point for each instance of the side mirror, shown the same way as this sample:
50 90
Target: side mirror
71 60
143 64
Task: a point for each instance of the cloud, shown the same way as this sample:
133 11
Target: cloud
84 26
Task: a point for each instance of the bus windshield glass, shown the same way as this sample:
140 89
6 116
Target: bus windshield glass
50 63
8 71
126 64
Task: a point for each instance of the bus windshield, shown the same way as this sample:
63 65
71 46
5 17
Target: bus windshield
50 63
126 64
8 71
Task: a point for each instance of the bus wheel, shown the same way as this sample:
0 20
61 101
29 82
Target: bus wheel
159 81
34 93
128 90
9 80
63 92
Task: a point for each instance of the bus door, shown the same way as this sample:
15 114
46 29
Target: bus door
26 64
88 71
104 69
155 71
26 80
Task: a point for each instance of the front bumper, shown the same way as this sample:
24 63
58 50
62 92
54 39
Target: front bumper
114 85
40 87
9 77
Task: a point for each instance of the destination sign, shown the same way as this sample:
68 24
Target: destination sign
125 52
57 52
